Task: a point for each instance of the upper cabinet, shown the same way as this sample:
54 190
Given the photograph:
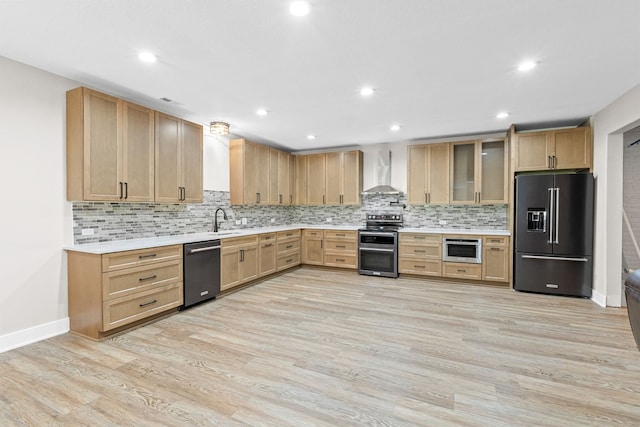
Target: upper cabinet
109 148
300 180
554 149
178 160
479 172
428 174
334 178
113 152
316 176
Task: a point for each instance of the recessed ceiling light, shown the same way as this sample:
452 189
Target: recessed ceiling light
299 8
367 91
311 137
147 57
395 128
262 112
526 66
502 115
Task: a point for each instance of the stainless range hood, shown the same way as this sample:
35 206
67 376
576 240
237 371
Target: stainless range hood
383 172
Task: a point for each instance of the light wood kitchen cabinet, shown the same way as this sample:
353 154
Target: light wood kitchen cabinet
313 247
284 193
110 292
420 253
316 176
479 171
343 174
495 258
110 148
239 261
274 176
341 248
243 172
428 174
553 149
288 249
267 254
301 180
178 160
461 270
293 196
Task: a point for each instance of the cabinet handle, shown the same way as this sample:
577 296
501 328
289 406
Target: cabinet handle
321 243
340 235
280 198
142 279
419 237
419 251
257 197
462 271
419 266
340 246
290 199
268 245
323 199
495 249
555 165
339 259
126 190
148 303
426 197
121 189
289 246
147 256
289 260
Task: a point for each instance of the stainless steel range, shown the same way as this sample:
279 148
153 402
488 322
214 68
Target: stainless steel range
378 245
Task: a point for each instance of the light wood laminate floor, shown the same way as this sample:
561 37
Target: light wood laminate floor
320 347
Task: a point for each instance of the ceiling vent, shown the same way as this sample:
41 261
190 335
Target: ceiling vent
383 171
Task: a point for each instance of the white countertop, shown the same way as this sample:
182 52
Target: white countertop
154 242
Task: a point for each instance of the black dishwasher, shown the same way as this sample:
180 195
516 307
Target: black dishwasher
201 272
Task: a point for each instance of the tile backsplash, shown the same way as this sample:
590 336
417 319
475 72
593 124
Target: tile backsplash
118 221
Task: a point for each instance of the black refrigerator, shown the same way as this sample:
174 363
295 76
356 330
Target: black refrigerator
554 234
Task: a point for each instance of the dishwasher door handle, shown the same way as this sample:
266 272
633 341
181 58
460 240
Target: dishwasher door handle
208 248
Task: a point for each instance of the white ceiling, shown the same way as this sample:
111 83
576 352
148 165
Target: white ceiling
439 67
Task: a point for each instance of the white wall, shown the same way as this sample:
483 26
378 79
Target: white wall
216 162
609 126
36 218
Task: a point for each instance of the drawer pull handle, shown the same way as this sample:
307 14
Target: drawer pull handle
268 245
289 246
340 259
148 303
419 237
419 266
340 234
142 279
147 256
419 251
289 260
462 271
340 246
495 249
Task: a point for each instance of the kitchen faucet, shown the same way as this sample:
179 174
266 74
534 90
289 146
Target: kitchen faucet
215 219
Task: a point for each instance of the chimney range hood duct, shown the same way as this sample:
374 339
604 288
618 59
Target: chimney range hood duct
383 171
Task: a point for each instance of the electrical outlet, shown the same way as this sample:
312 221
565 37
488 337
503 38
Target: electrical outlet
244 221
329 219
273 220
87 231
238 222
442 222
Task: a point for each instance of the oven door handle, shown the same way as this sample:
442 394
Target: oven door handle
377 250
377 233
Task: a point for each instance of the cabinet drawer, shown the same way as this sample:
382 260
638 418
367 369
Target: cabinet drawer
419 238
462 270
345 261
238 241
495 241
432 251
124 282
287 261
291 245
267 237
288 235
313 233
340 245
121 311
120 260
424 267
341 234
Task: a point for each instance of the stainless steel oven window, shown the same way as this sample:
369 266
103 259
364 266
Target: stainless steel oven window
462 250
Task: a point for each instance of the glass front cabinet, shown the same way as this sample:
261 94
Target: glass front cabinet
479 172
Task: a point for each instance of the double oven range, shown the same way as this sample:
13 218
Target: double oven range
378 245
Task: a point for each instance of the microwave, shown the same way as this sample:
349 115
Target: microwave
462 250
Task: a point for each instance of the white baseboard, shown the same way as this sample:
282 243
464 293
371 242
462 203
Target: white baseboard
33 334
599 298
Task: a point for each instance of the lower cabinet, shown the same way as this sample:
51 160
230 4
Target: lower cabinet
288 249
462 270
495 258
110 291
420 253
341 248
267 255
313 247
239 261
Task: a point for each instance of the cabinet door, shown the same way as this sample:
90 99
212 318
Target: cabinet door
463 172
312 250
102 146
352 178
263 168
495 264
315 179
138 153
267 257
532 151
334 178
167 158
229 271
284 193
417 175
274 191
438 173
248 262
572 148
301 180
292 179
493 169
191 162
250 174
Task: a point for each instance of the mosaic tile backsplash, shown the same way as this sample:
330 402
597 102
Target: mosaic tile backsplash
120 221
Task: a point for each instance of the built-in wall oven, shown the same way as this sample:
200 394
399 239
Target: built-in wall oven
378 245
462 250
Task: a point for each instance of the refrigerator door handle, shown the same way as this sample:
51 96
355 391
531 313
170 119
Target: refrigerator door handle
551 215
557 215
554 258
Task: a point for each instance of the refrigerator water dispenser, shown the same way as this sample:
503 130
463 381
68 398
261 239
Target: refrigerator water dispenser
537 220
